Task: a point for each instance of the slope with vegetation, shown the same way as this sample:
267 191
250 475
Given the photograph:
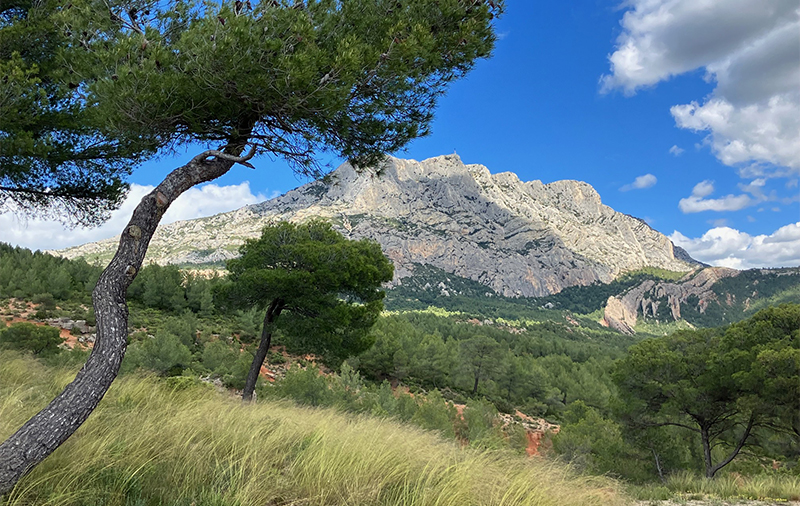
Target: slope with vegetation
707 297
549 363
179 442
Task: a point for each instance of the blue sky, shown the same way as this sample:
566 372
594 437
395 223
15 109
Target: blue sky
599 92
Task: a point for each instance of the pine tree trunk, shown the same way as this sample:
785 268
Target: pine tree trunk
43 433
273 311
704 438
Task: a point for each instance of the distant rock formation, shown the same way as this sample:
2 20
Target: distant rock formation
518 238
648 298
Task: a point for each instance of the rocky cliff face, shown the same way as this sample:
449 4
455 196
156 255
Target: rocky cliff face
651 298
519 238
711 296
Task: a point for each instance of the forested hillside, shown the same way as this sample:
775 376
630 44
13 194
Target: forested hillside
486 354
528 358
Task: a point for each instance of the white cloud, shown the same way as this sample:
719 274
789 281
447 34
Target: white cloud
675 150
640 183
756 189
697 202
728 247
703 189
748 48
762 132
726 203
197 202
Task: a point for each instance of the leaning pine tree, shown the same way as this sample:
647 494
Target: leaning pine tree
130 79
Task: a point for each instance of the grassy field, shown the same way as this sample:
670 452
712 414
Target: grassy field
177 442
732 486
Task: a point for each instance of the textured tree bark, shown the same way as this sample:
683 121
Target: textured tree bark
705 440
273 311
43 433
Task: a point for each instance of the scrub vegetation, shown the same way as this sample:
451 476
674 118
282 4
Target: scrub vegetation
619 400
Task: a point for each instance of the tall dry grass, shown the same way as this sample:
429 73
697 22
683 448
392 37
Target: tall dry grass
153 441
766 487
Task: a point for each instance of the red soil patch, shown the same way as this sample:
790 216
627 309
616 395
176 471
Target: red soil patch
267 374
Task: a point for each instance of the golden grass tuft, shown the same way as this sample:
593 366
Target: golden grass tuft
153 441
763 487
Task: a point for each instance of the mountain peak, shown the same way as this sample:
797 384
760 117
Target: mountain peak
518 238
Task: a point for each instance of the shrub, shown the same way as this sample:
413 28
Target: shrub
45 301
38 340
435 413
306 386
480 417
164 354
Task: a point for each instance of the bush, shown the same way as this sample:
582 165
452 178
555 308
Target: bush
276 358
226 363
45 301
164 354
306 386
42 341
237 374
480 417
594 444
434 413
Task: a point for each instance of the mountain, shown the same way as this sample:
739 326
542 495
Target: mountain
517 238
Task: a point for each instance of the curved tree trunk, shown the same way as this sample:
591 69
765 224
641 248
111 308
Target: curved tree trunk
738 448
43 433
273 311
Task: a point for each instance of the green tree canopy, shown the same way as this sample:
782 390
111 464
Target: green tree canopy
723 385
55 158
328 286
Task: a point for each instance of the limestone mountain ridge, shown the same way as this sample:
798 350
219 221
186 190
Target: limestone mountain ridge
517 238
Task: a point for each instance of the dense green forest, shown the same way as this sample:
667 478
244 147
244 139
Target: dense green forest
494 356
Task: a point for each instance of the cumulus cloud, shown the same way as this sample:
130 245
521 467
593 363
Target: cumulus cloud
697 201
640 183
748 48
763 132
728 247
675 150
197 202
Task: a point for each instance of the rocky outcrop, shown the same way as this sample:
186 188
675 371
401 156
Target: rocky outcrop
519 238
647 298
68 324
